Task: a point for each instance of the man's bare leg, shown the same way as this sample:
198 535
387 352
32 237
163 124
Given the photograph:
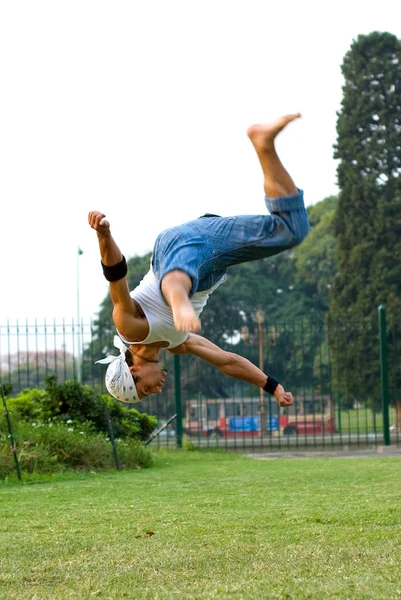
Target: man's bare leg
175 287
277 182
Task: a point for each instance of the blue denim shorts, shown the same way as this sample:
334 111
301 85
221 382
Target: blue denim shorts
206 247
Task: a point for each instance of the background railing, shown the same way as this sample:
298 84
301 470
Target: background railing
345 377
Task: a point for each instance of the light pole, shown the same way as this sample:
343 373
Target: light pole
79 332
260 318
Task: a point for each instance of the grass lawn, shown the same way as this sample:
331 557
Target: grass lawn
225 526
363 421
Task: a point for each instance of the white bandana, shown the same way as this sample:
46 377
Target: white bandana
119 380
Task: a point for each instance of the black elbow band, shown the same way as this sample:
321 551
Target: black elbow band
116 272
271 385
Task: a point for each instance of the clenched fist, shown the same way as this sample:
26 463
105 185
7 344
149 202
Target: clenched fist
98 222
283 398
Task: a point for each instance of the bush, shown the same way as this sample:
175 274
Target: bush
55 447
129 422
74 401
7 388
66 427
28 405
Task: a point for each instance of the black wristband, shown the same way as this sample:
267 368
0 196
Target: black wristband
116 272
271 385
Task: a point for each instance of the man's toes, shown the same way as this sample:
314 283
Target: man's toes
196 325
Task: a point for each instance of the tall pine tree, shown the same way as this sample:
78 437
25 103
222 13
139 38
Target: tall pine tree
368 219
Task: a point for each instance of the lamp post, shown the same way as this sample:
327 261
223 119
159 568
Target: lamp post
79 332
260 318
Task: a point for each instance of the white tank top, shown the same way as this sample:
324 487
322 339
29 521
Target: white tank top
159 314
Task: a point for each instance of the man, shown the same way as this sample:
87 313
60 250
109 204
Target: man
188 263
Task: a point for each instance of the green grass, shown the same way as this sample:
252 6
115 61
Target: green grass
363 421
225 526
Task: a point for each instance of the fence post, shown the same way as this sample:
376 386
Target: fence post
112 439
178 405
384 374
10 433
339 413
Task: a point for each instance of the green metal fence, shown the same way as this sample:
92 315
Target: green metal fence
345 377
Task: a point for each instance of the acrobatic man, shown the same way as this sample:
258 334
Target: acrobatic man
188 263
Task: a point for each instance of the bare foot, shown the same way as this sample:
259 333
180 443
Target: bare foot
262 136
175 288
185 318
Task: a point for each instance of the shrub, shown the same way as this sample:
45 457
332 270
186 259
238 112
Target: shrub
7 388
66 427
74 401
28 405
55 447
129 422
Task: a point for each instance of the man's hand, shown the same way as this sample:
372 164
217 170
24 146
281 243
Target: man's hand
98 222
283 398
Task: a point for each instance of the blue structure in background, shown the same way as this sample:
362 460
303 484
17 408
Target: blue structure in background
241 424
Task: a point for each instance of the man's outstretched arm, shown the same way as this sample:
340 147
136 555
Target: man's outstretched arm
124 312
231 364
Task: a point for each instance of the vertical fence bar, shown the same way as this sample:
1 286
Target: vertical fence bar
90 373
384 374
64 353
28 371
260 317
10 432
46 355
295 338
18 357
55 346
74 357
339 424
9 350
111 436
178 405
303 401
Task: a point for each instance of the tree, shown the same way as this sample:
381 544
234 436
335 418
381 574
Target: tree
315 258
367 223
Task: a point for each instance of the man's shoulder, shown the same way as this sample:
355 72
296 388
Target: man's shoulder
131 322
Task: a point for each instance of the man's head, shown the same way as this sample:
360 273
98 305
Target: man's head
149 377
129 381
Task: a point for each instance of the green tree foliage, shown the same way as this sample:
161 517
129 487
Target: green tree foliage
315 258
368 222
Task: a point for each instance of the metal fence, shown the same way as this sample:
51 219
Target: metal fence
345 378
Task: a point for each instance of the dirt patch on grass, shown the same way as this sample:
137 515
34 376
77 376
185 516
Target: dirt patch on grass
346 452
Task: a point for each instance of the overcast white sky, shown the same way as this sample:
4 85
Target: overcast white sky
139 109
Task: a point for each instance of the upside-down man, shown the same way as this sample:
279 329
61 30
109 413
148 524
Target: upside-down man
188 263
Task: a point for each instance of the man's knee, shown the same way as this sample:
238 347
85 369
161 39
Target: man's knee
301 228
175 280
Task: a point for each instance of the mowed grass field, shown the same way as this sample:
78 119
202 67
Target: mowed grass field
207 525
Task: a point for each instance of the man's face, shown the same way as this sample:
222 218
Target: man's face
151 378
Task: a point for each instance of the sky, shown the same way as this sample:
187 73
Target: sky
140 110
